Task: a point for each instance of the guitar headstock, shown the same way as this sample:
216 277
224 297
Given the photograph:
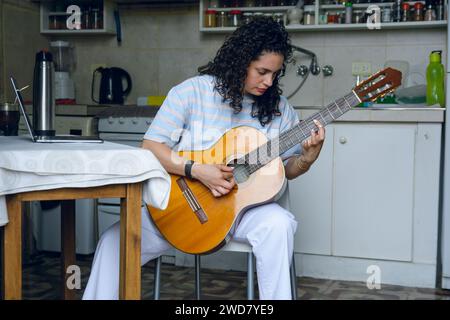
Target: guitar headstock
379 84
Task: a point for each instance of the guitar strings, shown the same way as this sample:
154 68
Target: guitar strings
256 159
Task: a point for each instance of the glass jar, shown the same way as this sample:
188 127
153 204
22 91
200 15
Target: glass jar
405 12
96 19
86 19
235 18
279 17
323 18
247 17
222 19
418 11
53 22
308 18
213 3
386 15
333 18
210 18
357 15
430 14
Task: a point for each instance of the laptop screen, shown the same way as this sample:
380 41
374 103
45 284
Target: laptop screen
22 108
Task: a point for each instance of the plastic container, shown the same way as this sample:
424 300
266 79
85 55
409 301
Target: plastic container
435 80
348 12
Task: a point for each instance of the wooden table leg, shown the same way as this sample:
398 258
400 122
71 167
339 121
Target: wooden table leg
68 246
12 250
130 243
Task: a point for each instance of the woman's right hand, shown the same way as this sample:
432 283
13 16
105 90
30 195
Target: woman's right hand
217 177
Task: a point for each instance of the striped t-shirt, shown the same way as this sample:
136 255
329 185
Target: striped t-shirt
193 117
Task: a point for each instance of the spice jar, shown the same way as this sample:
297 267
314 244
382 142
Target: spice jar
210 19
96 19
418 11
308 18
405 12
333 18
279 17
222 19
235 18
430 14
213 3
386 15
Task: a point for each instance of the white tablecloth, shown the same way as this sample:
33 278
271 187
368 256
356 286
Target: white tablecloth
28 166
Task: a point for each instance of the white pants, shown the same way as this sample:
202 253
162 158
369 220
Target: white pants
268 228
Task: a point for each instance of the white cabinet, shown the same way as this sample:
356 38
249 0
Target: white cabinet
316 15
373 191
95 17
371 198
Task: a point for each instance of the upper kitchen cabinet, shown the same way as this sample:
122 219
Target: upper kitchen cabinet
330 15
78 17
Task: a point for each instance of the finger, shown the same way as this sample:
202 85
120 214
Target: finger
227 175
321 131
222 190
215 193
306 144
225 168
227 185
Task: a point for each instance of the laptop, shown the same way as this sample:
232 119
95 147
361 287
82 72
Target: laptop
48 139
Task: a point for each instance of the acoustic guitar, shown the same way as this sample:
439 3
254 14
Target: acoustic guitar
196 222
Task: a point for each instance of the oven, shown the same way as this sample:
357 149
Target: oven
124 125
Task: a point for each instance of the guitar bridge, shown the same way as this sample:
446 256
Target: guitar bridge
192 200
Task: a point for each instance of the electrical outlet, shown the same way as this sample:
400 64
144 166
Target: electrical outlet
97 65
361 68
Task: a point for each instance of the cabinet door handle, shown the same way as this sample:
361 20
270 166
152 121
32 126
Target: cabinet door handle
343 140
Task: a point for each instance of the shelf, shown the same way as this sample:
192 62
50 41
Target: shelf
106 8
79 32
262 9
362 5
342 27
319 8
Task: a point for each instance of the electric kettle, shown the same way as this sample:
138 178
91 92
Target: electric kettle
111 89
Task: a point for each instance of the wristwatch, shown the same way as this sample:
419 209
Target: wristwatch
188 169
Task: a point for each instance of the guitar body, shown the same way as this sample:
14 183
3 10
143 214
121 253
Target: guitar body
195 221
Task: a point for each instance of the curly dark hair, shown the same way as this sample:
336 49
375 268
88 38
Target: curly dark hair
229 67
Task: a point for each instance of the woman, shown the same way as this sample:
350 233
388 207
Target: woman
239 87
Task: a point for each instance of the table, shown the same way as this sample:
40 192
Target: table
130 235
33 171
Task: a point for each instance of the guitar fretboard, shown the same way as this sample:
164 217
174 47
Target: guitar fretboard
265 153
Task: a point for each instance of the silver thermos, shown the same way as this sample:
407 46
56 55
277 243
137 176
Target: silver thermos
43 95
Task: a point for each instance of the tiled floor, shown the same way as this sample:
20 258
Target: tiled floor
41 280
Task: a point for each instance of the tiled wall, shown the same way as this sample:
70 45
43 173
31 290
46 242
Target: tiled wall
162 47
19 41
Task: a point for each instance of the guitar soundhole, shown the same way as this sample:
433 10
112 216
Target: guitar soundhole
240 172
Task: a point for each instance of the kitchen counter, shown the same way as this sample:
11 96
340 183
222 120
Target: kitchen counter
385 113
74 109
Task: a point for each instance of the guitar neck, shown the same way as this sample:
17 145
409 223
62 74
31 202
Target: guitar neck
300 132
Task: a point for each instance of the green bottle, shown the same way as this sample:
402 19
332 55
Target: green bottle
435 80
